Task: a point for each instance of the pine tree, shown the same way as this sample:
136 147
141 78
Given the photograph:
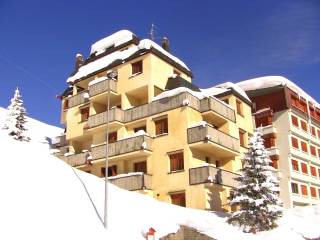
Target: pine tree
258 192
16 118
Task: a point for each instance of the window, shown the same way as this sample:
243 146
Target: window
140 167
161 126
304 146
304 126
294 188
313 192
136 67
112 171
239 108
84 114
304 190
112 137
313 131
318 133
313 171
207 159
176 162
304 168
295 165
144 128
294 142
226 100
319 172
218 164
242 138
66 105
294 121
319 152
313 151
178 199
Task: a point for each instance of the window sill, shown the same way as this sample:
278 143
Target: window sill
177 171
135 74
161 135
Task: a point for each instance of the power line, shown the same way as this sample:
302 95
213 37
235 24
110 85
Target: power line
27 72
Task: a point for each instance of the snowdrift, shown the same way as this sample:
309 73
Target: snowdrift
44 198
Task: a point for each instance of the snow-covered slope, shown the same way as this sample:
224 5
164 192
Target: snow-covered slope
44 198
37 130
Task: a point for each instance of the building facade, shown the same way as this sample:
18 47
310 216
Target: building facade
167 138
290 120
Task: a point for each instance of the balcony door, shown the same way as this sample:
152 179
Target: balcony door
140 167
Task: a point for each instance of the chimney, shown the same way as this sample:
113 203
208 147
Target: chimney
79 61
165 44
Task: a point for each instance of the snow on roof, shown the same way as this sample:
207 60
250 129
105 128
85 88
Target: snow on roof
113 40
100 63
204 93
272 81
230 85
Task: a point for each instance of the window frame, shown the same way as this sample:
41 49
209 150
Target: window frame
176 161
164 129
181 196
136 68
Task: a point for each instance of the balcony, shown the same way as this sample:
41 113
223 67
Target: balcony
60 141
78 99
116 116
132 181
269 129
216 111
210 174
76 159
103 87
136 146
213 141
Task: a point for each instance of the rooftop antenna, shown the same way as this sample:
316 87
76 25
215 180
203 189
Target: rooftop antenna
152 32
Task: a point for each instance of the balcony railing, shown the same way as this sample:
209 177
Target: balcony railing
161 105
132 182
102 87
123 146
115 114
210 134
76 159
78 99
212 104
60 141
210 174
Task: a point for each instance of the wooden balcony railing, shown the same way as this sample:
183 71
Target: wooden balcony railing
133 182
210 174
103 86
123 146
210 134
76 159
115 114
78 99
60 141
212 104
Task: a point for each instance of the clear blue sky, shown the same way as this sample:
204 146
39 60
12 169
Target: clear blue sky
219 40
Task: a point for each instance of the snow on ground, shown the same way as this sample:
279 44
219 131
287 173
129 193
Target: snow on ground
36 130
272 81
44 198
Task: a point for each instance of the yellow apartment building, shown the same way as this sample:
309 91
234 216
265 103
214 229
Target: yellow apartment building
167 138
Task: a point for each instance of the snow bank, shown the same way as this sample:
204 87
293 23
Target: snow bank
120 55
272 81
44 198
38 131
113 40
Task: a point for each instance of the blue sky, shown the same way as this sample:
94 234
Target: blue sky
219 40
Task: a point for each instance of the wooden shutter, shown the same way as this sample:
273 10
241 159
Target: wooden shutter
161 126
140 167
176 162
112 137
178 199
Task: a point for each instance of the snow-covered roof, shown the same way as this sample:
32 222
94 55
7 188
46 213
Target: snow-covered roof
236 88
105 61
273 81
113 40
